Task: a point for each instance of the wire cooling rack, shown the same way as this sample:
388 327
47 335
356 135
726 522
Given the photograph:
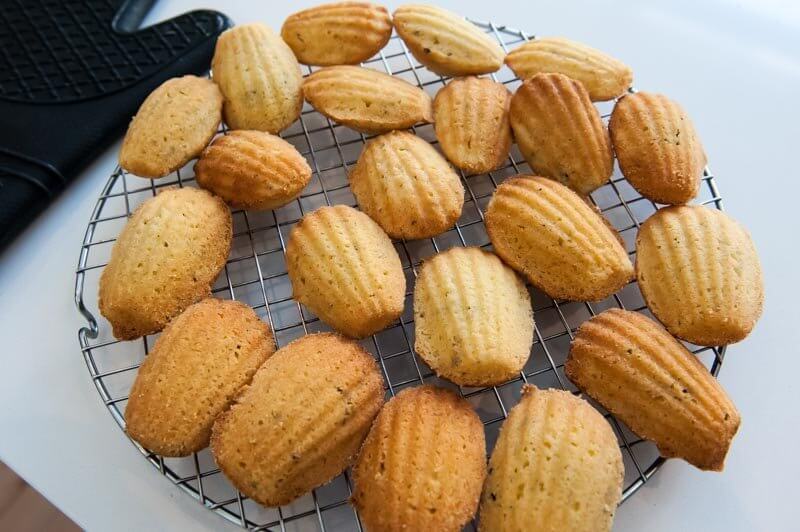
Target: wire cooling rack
256 274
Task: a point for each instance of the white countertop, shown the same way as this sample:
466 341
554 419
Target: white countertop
734 65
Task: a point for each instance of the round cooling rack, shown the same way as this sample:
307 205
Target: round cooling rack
256 274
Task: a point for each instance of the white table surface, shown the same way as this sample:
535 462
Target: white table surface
735 65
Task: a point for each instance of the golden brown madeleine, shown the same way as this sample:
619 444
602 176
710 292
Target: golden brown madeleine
197 366
422 465
471 121
367 100
657 146
556 239
253 170
344 268
604 77
445 42
560 133
556 467
340 33
473 317
700 275
166 258
649 380
259 77
403 183
172 126
301 421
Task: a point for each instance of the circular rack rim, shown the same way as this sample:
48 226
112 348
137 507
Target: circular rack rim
236 514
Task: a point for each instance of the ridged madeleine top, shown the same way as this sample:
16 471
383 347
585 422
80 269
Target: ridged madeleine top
259 77
345 269
195 369
473 317
556 239
650 381
166 258
403 183
604 77
340 33
560 133
446 43
471 121
658 149
253 170
172 126
556 467
301 421
700 275
422 465
367 100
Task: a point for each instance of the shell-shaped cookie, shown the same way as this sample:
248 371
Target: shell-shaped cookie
556 239
471 121
556 466
301 421
341 33
367 100
166 258
473 317
604 77
253 170
700 275
172 126
422 465
344 268
445 42
560 133
403 183
259 77
649 380
658 149
195 369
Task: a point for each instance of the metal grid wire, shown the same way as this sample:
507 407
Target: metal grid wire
256 273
